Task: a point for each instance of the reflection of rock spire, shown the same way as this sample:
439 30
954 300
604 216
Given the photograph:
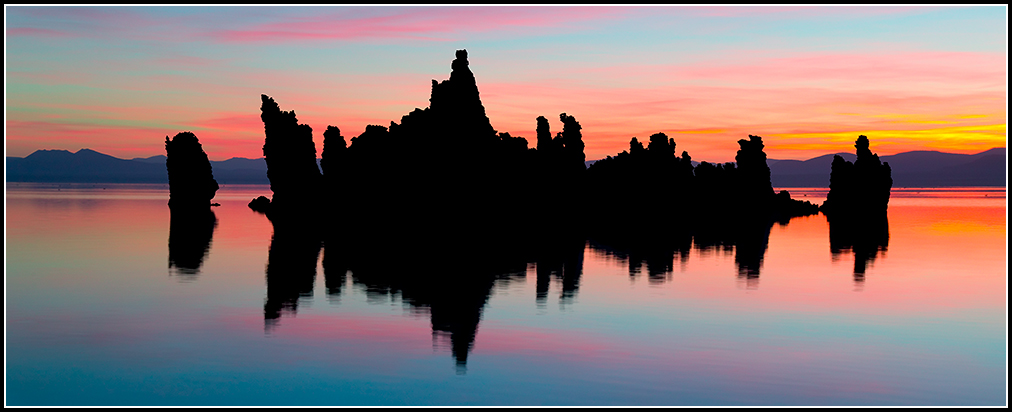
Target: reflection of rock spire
190 233
291 270
863 238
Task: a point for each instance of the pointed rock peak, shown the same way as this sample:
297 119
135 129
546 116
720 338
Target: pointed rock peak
461 61
268 105
863 146
862 142
459 67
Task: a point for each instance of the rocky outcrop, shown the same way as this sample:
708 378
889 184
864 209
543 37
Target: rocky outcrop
859 189
291 159
572 141
755 187
191 183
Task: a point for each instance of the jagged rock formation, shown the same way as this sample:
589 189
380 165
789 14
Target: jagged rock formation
754 183
858 189
291 160
334 148
441 165
191 183
445 169
572 144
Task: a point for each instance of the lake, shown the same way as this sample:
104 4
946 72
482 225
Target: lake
96 314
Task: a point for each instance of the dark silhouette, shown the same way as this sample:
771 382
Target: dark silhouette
447 279
860 189
191 183
190 234
754 175
444 186
655 253
332 162
260 204
291 162
191 188
857 207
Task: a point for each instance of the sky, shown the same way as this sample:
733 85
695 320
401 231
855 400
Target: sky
809 80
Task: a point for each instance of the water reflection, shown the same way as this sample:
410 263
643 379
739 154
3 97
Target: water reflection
656 252
449 281
864 237
561 260
291 269
652 253
190 233
449 277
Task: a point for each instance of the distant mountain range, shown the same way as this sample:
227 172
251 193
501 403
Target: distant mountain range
89 166
910 169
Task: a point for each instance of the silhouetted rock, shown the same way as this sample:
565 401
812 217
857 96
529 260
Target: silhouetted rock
860 189
334 148
544 135
291 161
260 204
755 187
191 183
572 140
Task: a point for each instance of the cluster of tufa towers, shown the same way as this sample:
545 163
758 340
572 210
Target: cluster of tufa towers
445 166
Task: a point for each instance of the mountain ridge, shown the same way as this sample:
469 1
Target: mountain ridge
918 168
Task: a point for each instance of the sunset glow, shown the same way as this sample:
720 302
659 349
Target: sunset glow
809 80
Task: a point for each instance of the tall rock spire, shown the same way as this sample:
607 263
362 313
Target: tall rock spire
457 104
290 155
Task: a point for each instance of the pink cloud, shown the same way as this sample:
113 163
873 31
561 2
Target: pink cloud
421 23
51 78
880 70
31 31
98 22
799 12
185 61
244 122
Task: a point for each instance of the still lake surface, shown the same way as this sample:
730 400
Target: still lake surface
95 315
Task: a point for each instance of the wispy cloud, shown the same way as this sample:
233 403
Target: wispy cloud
428 23
32 31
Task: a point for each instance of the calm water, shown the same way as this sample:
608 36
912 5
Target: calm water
96 315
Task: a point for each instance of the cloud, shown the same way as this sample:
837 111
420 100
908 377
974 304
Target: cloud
35 32
426 23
